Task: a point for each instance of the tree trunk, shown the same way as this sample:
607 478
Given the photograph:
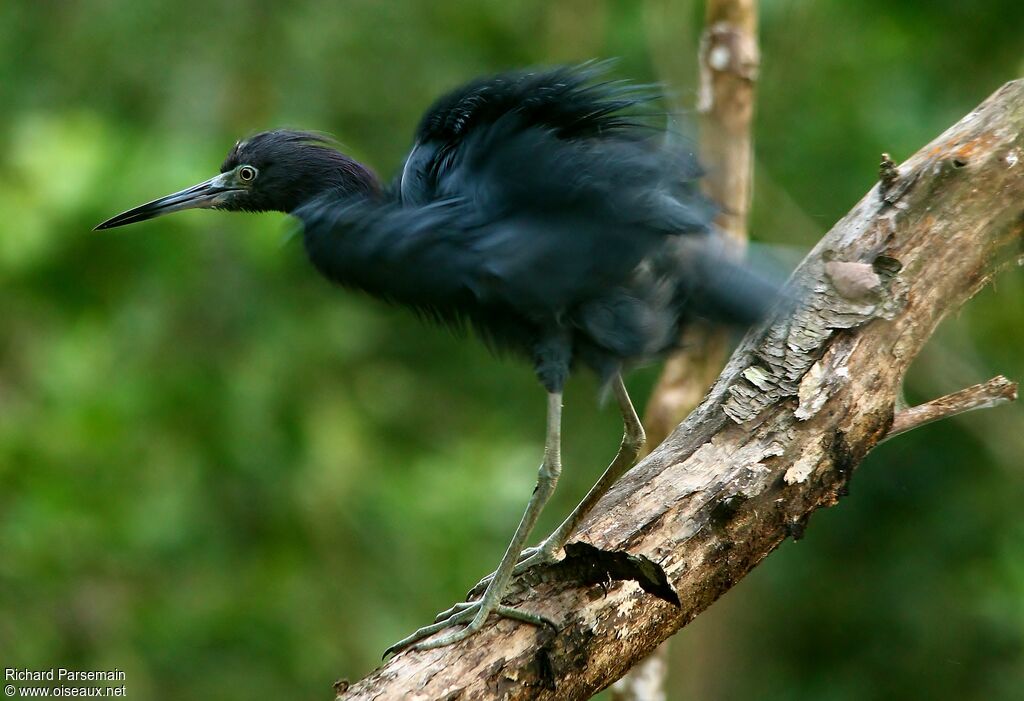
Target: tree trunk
728 68
728 61
800 404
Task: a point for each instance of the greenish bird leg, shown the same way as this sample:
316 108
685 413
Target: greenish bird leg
474 614
633 438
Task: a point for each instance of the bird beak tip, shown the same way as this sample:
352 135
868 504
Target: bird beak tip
205 195
107 224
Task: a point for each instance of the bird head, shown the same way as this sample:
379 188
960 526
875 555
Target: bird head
272 171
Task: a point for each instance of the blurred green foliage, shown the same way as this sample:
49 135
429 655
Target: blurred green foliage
229 479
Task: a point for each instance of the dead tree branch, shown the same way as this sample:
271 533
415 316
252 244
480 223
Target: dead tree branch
800 404
996 391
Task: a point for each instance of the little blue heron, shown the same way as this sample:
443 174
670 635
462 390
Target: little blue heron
541 209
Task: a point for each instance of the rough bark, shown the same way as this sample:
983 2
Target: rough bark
799 405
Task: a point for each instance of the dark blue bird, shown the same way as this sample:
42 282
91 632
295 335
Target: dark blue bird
538 208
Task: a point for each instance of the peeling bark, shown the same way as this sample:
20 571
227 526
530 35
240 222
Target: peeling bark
800 404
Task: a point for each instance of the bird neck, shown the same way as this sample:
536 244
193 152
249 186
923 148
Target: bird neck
351 178
326 173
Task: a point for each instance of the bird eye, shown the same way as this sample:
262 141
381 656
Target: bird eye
246 174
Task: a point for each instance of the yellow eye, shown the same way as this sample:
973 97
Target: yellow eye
246 174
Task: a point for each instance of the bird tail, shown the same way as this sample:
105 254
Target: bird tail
721 287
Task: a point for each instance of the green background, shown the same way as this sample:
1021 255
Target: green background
232 481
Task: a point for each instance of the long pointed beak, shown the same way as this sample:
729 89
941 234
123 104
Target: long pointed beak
205 195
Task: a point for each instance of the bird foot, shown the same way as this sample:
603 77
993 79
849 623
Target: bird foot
472 615
542 554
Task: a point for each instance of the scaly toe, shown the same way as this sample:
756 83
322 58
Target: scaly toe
456 608
453 637
533 619
461 616
470 613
